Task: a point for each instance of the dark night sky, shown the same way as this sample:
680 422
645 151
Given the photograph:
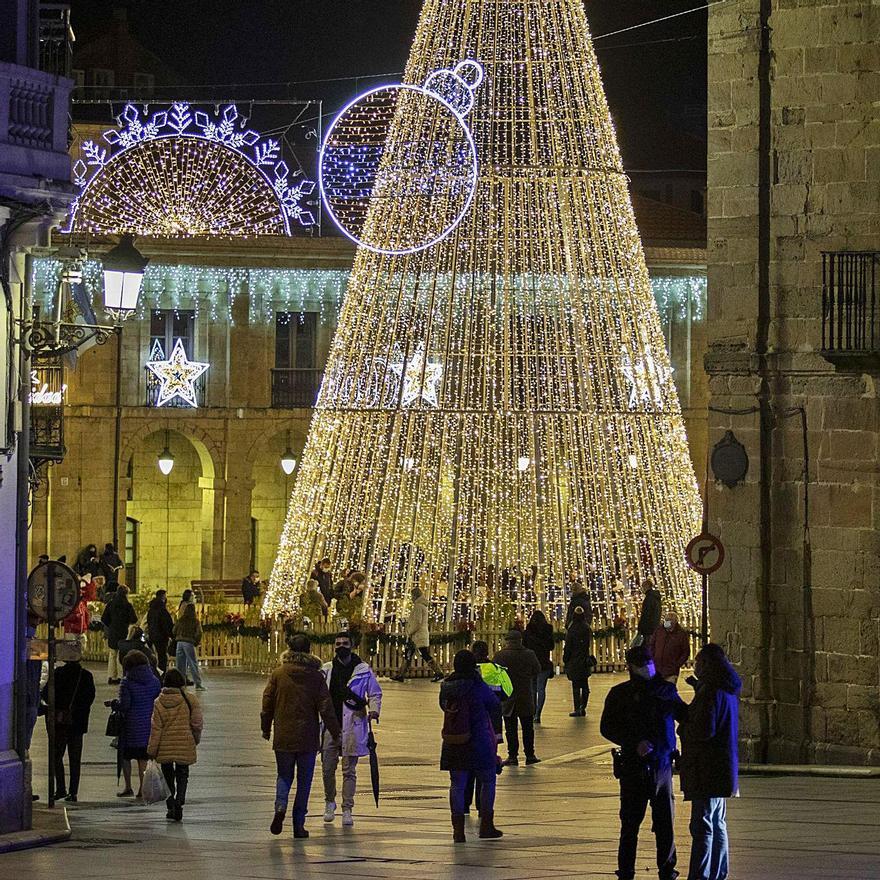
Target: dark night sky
655 90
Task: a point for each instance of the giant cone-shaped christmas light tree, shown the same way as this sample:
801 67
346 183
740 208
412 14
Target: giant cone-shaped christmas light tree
503 399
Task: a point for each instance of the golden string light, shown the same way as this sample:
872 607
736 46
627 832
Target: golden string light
498 410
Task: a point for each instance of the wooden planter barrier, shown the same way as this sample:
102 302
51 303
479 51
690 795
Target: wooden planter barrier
221 648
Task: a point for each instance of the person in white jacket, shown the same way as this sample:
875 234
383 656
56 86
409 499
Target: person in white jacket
418 638
357 700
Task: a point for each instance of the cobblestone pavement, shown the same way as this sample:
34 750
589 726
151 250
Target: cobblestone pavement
559 817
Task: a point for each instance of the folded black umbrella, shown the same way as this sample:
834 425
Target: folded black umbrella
374 764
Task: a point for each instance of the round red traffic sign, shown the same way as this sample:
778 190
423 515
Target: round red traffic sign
705 553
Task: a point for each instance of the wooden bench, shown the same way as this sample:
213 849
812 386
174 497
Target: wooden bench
211 591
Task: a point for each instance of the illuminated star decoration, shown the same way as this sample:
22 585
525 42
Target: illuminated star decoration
178 376
410 373
647 378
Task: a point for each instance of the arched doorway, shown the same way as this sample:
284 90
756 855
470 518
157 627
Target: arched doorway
172 516
270 495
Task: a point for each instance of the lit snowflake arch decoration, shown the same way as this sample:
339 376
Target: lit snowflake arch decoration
181 172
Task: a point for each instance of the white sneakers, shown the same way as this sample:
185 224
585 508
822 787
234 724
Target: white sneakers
330 814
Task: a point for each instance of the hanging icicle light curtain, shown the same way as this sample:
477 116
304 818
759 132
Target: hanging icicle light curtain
530 332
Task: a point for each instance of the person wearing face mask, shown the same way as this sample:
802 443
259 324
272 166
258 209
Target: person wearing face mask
357 700
639 716
670 646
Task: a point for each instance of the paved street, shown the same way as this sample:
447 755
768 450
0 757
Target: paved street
559 818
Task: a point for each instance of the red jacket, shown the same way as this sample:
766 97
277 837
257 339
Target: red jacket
671 649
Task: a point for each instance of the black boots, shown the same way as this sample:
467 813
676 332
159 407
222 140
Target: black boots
488 831
277 825
458 828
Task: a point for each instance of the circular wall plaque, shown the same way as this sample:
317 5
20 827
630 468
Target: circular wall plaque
730 461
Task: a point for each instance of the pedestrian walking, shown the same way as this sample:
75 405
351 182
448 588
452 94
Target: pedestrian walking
639 716
418 638
117 617
469 743
188 634
250 588
160 627
519 711
709 763
175 732
498 680
580 598
649 618
539 638
670 646
577 658
137 693
357 700
294 699
74 695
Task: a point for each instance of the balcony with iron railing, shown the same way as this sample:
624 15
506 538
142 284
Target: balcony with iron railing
295 388
850 331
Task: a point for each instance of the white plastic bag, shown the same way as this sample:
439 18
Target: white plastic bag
155 787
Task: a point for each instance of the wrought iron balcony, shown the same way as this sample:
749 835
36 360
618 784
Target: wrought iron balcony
295 389
850 332
56 38
153 386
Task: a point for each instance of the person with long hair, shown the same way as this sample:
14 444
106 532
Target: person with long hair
188 633
175 731
577 660
539 637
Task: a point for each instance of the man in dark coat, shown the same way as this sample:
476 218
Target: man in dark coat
74 695
639 716
523 667
710 761
160 627
250 588
294 699
649 619
118 615
465 695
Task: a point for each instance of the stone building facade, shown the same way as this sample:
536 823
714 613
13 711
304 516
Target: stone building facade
794 171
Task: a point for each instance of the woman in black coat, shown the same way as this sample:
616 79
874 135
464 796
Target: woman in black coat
539 638
709 764
576 657
74 695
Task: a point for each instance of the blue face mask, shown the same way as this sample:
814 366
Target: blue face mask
645 672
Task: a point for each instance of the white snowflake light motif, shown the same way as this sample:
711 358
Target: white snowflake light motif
410 374
647 378
180 172
177 375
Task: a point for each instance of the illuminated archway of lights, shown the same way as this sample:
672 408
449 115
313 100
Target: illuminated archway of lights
403 144
498 410
179 172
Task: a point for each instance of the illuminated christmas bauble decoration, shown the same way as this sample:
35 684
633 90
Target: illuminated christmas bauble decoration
403 148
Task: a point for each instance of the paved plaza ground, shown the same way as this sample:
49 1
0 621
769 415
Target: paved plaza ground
559 818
